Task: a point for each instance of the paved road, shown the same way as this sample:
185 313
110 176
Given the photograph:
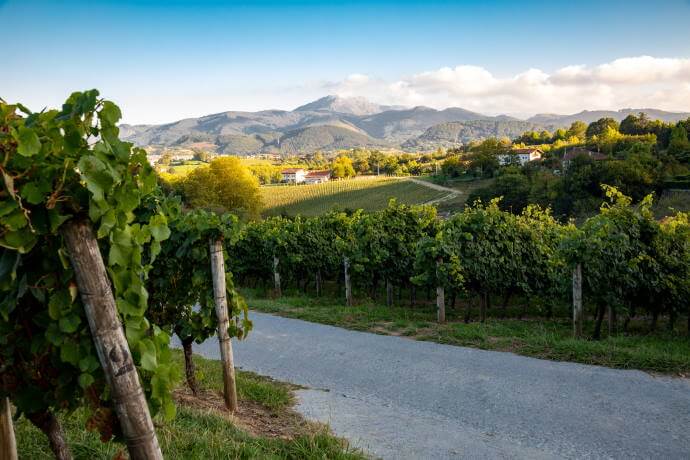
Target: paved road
400 398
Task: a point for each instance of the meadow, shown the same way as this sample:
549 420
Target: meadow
367 193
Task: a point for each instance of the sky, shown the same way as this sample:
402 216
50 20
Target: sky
162 61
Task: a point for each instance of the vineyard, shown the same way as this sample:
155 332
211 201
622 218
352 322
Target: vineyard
99 267
367 193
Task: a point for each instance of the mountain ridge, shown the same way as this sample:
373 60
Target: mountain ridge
336 122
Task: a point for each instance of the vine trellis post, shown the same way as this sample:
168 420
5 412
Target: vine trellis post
577 301
109 338
8 442
221 302
440 295
348 285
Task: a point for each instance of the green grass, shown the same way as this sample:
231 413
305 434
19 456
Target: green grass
662 351
368 193
199 434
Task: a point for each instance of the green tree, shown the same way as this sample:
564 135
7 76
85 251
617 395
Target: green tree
678 145
577 129
224 185
342 167
599 127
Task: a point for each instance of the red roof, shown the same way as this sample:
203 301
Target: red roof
526 150
291 170
318 173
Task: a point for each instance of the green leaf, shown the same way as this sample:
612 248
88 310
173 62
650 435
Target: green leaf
28 142
70 323
148 355
32 193
109 113
69 353
86 380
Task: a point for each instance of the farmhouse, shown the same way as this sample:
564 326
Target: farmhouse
579 151
317 177
293 175
521 156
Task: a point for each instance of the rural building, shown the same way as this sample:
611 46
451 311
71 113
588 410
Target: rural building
579 151
316 177
293 175
522 156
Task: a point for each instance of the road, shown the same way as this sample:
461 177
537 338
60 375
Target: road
400 398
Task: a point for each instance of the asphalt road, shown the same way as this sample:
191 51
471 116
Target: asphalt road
399 398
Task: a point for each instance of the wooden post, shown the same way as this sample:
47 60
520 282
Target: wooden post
318 283
109 339
219 294
389 293
577 301
348 286
276 277
440 296
441 304
8 443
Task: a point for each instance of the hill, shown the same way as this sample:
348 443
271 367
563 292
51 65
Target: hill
368 193
335 122
455 133
589 116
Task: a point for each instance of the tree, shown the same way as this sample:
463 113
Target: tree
342 167
224 185
202 156
599 127
678 145
577 129
635 125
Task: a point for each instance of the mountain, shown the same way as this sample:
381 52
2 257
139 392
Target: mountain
335 122
589 116
337 104
454 133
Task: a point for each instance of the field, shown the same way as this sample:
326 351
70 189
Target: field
368 193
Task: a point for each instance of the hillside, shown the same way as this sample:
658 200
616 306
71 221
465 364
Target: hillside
455 133
325 138
334 122
589 116
368 193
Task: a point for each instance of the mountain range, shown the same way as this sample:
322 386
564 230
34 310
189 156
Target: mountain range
335 122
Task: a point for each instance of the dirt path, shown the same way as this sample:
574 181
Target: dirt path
400 398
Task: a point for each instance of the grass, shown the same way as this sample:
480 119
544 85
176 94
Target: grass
662 351
368 193
465 187
201 432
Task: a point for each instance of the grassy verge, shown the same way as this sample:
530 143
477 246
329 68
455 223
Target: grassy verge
265 427
662 351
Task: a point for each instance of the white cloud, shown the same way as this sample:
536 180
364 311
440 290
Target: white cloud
641 81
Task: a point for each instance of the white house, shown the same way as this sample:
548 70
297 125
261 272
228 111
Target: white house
521 156
293 175
317 177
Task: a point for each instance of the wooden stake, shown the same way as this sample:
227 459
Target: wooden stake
8 443
440 295
389 293
276 278
348 287
577 301
219 294
109 339
441 304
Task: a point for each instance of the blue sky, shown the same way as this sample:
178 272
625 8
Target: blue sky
165 60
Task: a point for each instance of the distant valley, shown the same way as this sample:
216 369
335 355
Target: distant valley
333 123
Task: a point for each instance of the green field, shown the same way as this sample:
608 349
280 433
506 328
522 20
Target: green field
368 193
